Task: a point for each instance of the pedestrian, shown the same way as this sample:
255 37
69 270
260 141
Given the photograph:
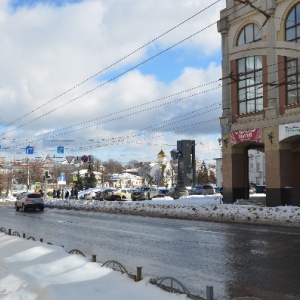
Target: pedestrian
54 193
67 195
72 193
76 193
62 193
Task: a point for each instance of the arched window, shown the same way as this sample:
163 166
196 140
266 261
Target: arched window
250 33
292 26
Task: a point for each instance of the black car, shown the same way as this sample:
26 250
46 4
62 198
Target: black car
260 189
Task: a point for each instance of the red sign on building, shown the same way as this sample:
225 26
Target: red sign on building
252 135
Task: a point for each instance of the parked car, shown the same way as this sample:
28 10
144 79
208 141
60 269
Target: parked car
120 194
205 189
91 195
103 195
252 190
162 192
219 190
144 193
197 190
260 189
209 189
30 201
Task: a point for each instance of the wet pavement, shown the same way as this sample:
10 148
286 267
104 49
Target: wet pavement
237 260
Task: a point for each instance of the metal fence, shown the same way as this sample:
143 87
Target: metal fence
169 284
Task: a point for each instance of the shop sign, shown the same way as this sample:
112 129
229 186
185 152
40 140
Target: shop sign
252 135
288 130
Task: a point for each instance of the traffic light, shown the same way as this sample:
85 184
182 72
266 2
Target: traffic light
47 175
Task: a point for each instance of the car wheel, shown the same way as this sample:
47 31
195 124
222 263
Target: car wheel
123 198
24 208
149 198
41 209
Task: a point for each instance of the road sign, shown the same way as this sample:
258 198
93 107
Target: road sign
62 179
84 158
69 159
61 149
29 150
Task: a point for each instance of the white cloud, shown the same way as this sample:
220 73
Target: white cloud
46 50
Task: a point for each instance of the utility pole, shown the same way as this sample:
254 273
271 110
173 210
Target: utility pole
27 174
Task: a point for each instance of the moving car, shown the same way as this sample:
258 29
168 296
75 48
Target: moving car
144 193
30 201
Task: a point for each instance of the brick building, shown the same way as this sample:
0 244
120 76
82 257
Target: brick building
261 96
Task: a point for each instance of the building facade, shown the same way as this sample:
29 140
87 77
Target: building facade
261 96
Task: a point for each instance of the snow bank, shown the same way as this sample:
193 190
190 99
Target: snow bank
208 208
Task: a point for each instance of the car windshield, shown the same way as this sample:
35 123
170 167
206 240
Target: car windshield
142 189
34 196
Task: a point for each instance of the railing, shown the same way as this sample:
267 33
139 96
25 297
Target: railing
169 284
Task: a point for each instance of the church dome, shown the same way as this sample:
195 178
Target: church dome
161 154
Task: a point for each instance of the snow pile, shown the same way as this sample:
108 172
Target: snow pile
208 208
32 270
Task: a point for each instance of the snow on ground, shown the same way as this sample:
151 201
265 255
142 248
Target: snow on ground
31 270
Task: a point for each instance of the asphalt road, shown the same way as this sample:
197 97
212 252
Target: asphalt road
237 260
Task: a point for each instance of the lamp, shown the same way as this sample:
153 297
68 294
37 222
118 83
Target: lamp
270 136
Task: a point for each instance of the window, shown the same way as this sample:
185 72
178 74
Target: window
250 86
292 26
292 81
258 167
250 33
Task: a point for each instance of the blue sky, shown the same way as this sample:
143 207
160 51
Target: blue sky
22 3
53 52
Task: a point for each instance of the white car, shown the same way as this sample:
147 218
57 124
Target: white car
30 201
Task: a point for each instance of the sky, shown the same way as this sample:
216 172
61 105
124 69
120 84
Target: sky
115 79
33 270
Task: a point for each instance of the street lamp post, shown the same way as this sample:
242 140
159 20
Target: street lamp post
102 176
